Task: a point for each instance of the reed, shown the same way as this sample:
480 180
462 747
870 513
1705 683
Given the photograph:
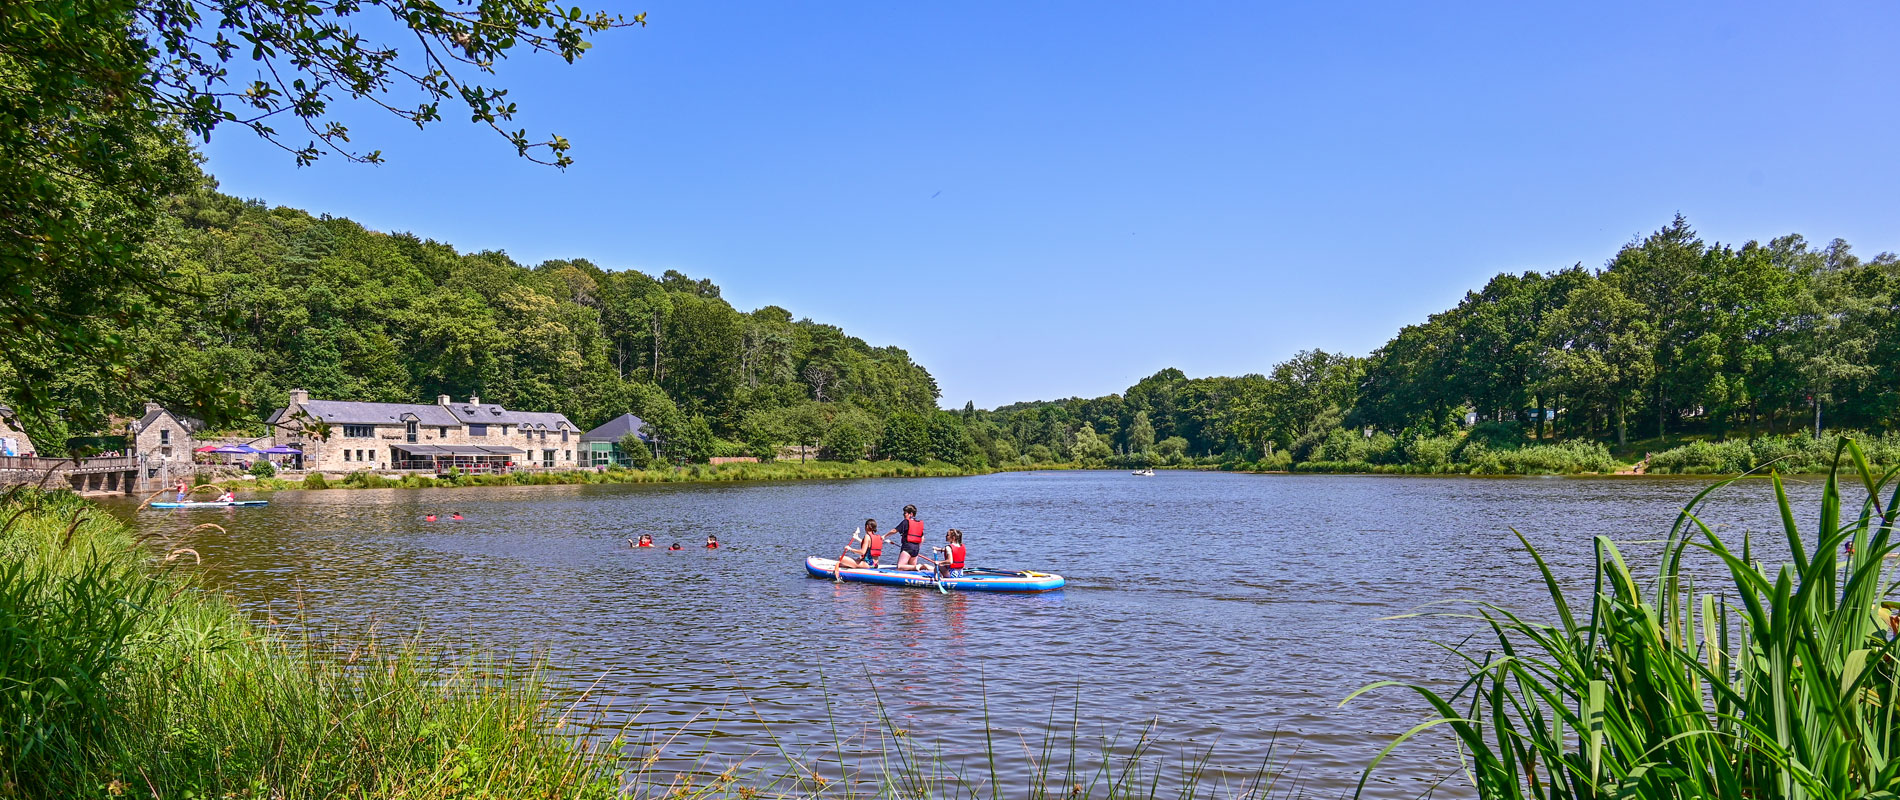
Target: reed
119 675
1773 683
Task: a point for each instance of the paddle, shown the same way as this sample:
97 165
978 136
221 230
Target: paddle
856 536
936 575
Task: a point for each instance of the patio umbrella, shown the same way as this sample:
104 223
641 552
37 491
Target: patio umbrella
281 450
206 449
238 450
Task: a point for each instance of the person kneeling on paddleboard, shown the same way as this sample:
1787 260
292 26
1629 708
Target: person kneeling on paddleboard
867 553
910 541
228 497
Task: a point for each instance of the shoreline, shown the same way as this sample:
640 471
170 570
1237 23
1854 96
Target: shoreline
697 473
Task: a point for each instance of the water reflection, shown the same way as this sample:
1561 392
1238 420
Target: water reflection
1223 609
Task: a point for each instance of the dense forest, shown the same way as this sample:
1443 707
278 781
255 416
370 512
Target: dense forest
1673 339
278 299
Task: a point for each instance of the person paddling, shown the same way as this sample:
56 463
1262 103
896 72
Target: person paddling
184 491
865 554
910 541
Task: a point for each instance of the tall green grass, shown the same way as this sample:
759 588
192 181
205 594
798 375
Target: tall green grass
119 676
1798 453
1772 683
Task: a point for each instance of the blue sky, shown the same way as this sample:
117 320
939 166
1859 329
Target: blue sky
1048 199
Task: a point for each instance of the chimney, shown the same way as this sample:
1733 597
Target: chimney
441 399
474 400
151 407
299 397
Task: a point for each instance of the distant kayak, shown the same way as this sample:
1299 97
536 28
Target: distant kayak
975 579
211 504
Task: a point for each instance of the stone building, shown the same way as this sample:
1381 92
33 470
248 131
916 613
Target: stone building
13 440
470 436
161 436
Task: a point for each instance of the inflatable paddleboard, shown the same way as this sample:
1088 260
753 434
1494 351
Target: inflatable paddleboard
975 579
211 504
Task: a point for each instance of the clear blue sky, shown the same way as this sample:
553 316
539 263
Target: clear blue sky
1048 199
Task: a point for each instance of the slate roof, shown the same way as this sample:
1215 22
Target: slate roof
616 429
190 424
350 412
354 413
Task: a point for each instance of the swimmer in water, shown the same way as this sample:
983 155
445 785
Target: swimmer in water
428 518
676 546
712 542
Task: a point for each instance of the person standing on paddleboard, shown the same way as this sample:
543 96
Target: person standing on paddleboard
910 539
865 554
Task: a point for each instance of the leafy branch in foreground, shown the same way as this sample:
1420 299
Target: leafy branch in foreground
309 53
1781 685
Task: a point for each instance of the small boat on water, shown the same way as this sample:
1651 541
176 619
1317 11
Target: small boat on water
211 504
975 579
1144 473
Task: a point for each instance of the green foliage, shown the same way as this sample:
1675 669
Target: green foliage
1090 448
117 675
845 442
1776 682
263 469
1171 449
315 480
633 451
906 438
1787 454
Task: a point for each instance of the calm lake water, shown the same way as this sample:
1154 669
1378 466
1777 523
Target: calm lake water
1225 610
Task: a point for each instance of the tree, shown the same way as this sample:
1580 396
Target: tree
1141 434
906 437
633 451
950 441
1600 348
1089 447
1171 449
98 92
845 442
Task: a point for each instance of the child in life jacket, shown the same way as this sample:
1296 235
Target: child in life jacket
676 546
228 497
712 542
950 555
864 554
910 539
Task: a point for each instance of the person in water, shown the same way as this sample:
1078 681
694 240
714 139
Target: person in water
910 540
457 516
866 553
950 555
429 517
712 542
646 540
676 546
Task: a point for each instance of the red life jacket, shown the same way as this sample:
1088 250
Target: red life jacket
873 547
953 557
914 531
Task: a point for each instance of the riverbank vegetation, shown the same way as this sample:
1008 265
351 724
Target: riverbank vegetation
121 676
1750 681
1674 338
697 473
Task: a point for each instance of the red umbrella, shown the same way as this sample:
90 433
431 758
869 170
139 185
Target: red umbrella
206 449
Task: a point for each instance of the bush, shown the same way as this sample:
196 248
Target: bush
315 480
844 442
263 469
1431 453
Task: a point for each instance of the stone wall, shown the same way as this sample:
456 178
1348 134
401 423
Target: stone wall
166 439
16 440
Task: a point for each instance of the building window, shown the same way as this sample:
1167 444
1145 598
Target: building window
567 455
478 430
359 431
544 436
346 455
547 456
445 432
563 436
165 437
409 431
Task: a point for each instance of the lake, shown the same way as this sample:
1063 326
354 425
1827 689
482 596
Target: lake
1216 611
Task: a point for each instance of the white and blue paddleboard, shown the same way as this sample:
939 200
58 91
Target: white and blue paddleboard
975 579
211 504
